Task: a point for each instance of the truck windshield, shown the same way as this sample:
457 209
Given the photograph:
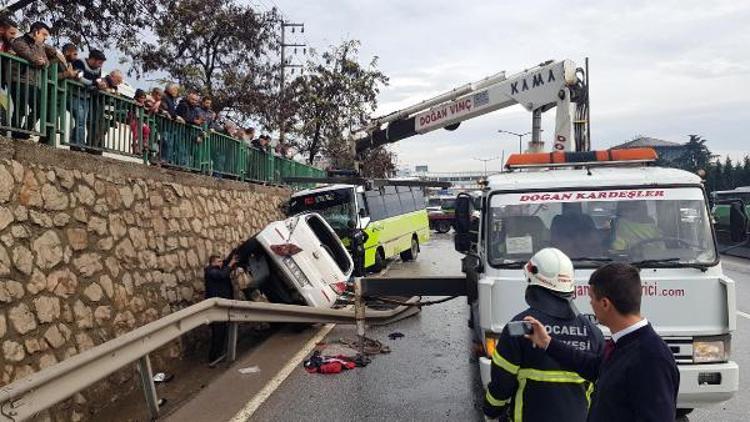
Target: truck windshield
657 226
336 206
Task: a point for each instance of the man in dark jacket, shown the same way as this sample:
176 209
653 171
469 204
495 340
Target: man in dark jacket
636 377
26 92
189 109
218 284
90 75
527 384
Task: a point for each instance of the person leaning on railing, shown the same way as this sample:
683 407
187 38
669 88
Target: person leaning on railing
190 112
168 106
26 92
8 32
140 101
90 75
69 55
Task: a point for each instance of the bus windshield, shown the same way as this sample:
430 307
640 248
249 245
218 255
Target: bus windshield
336 206
657 226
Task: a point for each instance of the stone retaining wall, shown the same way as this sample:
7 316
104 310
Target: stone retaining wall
91 248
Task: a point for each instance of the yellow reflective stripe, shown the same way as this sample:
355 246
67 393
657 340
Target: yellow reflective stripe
518 410
495 402
589 390
500 361
550 376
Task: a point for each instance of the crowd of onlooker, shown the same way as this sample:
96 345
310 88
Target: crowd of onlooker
190 108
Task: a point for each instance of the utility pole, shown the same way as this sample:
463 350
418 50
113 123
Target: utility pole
520 138
485 160
284 65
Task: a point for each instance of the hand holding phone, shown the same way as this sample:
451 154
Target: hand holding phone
519 328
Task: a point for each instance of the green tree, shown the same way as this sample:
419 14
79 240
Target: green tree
715 176
221 48
696 156
730 173
96 23
335 96
744 179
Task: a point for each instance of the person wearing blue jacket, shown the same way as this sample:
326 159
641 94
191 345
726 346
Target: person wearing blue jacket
636 377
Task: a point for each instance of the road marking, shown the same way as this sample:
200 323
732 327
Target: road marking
253 405
743 314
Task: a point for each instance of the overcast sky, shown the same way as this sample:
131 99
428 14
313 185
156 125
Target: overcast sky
664 69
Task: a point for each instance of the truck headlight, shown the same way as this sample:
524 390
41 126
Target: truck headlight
490 344
711 349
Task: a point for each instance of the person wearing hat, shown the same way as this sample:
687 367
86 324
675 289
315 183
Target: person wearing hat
636 377
526 384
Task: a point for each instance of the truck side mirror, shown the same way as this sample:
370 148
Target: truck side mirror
466 234
737 222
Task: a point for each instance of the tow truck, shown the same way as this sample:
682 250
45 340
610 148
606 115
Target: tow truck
577 199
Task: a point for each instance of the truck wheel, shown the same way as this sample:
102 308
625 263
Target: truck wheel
442 227
379 261
411 253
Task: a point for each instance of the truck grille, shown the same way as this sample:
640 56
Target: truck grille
682 348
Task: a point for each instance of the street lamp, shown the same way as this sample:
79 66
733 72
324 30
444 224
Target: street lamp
485 160
520 137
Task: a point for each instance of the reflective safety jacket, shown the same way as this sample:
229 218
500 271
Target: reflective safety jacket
630 233
527 384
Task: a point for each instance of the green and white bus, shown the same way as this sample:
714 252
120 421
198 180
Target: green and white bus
393 218
720 209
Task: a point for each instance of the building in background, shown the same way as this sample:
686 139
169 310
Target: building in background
667 150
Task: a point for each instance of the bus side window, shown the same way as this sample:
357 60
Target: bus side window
392 203
362 204
418 198
375 205
406 198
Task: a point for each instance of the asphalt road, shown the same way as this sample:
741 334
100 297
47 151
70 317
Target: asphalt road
431 374
737 409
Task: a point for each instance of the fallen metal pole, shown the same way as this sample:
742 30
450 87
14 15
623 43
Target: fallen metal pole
359 315
427 286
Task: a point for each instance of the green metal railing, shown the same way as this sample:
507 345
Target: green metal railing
25 95
34 103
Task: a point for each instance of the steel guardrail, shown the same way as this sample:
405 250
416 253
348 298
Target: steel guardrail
26 397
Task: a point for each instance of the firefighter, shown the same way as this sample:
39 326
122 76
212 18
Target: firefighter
526 384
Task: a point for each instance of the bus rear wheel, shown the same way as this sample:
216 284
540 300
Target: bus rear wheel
411 253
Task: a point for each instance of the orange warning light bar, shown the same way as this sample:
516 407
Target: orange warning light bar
602 157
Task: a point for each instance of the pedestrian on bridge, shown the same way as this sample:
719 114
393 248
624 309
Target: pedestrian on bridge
636 376
217 277
526 383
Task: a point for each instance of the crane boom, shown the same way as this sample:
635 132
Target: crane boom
550 84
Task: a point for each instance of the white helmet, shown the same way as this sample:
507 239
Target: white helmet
552 269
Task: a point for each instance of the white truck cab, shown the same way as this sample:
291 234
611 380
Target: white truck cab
656 218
